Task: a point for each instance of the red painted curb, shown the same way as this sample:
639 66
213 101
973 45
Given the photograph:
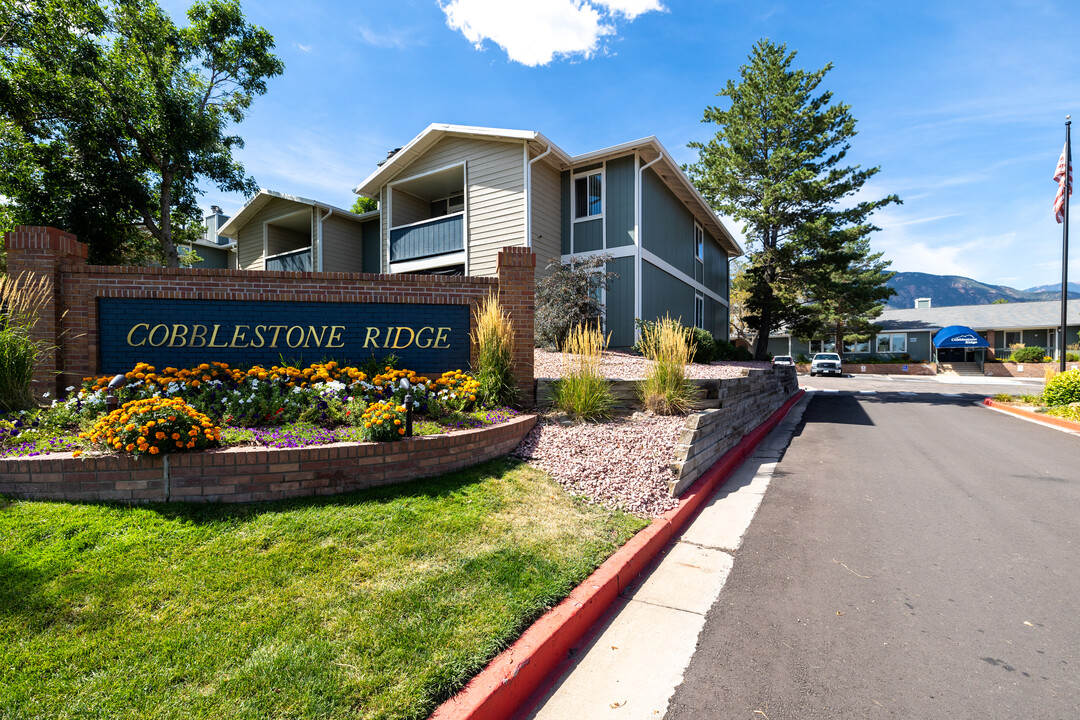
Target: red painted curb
1038 417
512 677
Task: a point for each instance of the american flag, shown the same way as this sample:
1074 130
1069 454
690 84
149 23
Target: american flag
1064 169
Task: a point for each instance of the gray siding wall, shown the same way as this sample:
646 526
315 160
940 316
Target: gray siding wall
250 236
546 215
620 303
588 235
342 246
408 208
779 346
716 267
495 197
918 346
665 294
667 226
371 254
716 319
619 199
564 184
212 258
1033 338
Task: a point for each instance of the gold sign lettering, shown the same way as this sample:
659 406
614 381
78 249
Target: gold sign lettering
182 335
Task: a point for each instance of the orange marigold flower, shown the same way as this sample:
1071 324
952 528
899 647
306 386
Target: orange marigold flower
154 450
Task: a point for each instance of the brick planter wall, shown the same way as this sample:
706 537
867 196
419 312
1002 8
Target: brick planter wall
856 368
70 322
1031 370
252 474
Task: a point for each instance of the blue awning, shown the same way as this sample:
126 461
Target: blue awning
959 336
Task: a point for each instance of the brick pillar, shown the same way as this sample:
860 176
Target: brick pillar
517 285
990 337
43 251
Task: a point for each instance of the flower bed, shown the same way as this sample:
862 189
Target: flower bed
339 413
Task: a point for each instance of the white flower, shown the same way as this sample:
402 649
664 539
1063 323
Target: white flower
45 395
69 388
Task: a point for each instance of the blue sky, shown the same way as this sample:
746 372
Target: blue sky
962 104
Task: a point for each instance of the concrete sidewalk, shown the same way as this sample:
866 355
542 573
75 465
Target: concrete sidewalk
629 666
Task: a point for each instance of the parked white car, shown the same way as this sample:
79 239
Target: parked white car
826 364
783 360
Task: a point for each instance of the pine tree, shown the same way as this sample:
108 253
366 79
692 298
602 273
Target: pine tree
775 165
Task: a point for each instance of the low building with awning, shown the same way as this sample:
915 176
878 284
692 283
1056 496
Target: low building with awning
907 334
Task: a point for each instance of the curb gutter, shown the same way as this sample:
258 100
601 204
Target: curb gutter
512 677
1037 417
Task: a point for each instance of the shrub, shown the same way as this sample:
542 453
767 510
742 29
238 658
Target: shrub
1033 354
582 390
494 353
1004 398
383 422
666 390
21 300
153 426
1072 357
1063 388
802 359
569 297
705 349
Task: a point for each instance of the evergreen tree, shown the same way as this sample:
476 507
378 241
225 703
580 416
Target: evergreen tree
775 164
846 290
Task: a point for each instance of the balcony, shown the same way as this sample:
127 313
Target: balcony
293 261
424 239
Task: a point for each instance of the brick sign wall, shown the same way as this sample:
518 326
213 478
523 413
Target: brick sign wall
88 301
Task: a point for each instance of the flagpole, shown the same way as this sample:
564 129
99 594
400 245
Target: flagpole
1062 337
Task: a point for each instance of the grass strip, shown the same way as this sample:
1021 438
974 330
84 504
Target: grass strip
376 604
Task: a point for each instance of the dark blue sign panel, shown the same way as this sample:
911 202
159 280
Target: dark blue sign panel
429 339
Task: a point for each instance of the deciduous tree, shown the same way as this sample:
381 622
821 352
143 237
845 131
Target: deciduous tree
776 164
111 114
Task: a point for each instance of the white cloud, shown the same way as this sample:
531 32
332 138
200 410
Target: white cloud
534 32
305 48
399 39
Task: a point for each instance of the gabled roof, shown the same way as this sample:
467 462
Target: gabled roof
264 197
666 167
999 316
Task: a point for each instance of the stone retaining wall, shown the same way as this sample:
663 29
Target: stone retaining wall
246 474
741 405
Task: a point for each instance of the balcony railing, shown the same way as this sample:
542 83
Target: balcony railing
431 237
293 261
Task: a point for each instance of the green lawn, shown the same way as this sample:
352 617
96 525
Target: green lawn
377 604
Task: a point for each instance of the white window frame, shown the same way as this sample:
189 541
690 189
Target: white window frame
603 298
893 337
699 243
573 194
699 311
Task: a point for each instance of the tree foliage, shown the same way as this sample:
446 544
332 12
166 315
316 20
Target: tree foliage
111 114
569 297
364 204
776 164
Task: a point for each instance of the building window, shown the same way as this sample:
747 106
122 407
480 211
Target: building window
588 196
1014 338
817 346
448 205
856 346
699 243
891 343
699 311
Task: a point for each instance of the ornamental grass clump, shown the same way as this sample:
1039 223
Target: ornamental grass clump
494 340
21 301
383 422
582 390
154 426
666 389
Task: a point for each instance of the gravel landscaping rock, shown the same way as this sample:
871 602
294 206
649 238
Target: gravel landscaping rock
623 464
627 366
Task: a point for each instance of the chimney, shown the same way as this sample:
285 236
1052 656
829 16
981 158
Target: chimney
213 222
389 155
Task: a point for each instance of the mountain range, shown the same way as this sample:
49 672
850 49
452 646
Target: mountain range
948 290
